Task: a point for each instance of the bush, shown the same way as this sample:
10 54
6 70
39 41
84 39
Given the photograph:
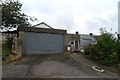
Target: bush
91 51
105 51
7 46
5 49
9 42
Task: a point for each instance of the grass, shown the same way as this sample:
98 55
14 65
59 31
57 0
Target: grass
66 55
5 50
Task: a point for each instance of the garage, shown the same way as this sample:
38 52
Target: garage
43 43
39 39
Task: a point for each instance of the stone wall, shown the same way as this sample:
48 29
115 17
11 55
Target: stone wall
20 44
5 35
15 45
69 38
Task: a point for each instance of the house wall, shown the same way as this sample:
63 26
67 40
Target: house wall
85 40
69 38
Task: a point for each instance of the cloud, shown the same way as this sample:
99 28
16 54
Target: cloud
83 16
65 18
97 22
119 17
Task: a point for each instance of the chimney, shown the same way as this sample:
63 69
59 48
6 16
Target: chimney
91 34
76 32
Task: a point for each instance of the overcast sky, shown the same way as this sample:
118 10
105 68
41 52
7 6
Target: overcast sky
84 16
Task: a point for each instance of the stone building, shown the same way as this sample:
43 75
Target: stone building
72 41
43 39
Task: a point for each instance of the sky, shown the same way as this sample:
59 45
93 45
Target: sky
84 16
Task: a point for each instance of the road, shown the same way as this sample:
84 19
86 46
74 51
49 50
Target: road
53 66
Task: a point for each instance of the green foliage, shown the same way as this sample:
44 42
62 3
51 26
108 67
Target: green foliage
5 49
12 16
7 46
66 55
9 42
105 51
103 30
91 51
118 50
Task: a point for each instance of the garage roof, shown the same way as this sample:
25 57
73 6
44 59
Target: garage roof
43 30
43 25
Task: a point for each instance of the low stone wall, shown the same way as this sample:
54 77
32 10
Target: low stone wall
5 35
18 44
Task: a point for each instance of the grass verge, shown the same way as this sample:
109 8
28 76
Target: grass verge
66 55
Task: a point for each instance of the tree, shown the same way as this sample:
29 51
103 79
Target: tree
12 17
105 51
102 30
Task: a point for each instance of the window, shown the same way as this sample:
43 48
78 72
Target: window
72 42
81 40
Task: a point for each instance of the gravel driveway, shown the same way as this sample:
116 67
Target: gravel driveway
51 66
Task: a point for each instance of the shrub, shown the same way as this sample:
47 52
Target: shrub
5 49
7 46
105 51
91 51
66 55
9 42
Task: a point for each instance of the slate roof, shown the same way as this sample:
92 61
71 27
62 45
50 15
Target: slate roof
87 37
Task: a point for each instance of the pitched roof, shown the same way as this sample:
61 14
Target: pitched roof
97 36
41 25
85 36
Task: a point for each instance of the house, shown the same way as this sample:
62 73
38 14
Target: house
85 40
96 36
77 42
72 41
43 39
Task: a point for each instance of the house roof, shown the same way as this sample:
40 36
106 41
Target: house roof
97 36
43 25
87 37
